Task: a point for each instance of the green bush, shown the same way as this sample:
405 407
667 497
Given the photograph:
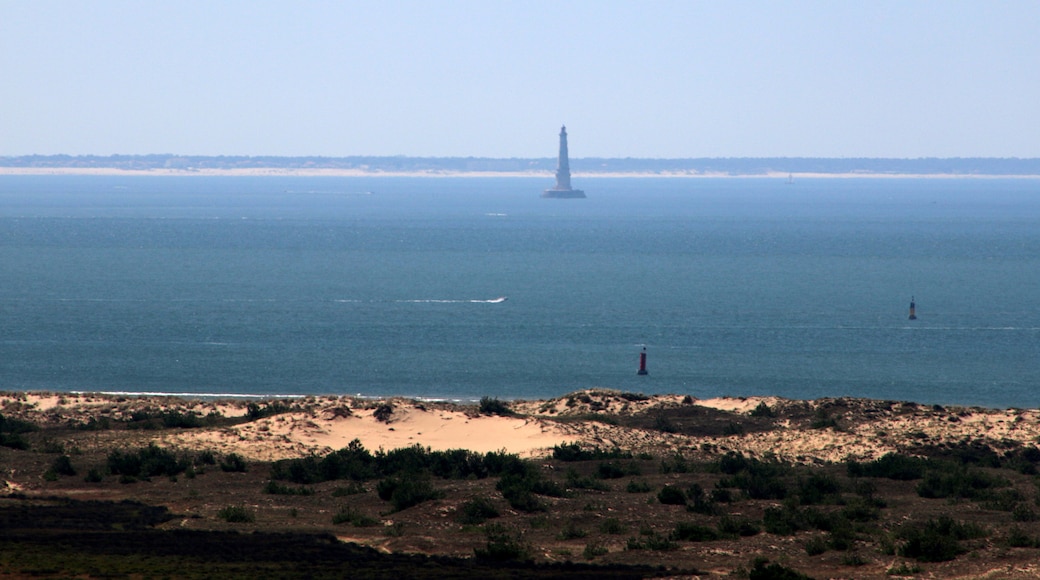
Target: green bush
274 488
353 488
961 482
503 544
236 515
62 465
150 461
489 406
763 570
890 466
938 540
638 487
651 541
353 517
575 452
729 526
476 511
612 526
691 532
670 495
762 410
818 488
407 490
1017 538
233 462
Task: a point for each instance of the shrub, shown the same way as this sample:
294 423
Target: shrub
651 541
575 452
383 412
670 495
938 540
615 470
733 527
818 488
890 466
353 488
503 544
275 488
489 406
691 532
62 465
236 515
407 491
762 410
612 526
962 483
476 511
576 481
148 461
353 517
815 546
233 462
594 550
638 487
763 570
571 531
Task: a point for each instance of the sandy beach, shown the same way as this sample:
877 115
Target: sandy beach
320 424
548 175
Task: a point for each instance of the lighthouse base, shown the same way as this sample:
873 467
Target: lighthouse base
564 193
642 372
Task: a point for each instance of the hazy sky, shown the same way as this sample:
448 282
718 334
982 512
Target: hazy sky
493 78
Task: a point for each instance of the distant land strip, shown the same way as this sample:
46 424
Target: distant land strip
480 166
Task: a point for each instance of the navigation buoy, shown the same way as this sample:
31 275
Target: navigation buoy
913 314
642 362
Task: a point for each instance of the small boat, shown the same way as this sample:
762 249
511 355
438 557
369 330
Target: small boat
498 300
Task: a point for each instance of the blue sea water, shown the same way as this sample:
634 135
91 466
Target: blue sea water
392 286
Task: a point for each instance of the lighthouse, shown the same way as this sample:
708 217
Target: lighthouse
563 190
913 307
642 363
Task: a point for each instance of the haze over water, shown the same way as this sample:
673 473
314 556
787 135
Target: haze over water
392 286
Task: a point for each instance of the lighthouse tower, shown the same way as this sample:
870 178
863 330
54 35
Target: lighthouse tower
563 190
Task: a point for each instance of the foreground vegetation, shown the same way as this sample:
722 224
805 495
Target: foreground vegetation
147 510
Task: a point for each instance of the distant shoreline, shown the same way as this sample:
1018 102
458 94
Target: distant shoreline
330 172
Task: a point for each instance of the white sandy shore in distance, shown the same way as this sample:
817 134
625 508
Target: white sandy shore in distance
316 172
319 424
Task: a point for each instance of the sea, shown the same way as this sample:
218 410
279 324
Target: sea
459 288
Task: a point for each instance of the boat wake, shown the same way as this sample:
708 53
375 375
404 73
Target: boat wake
498 300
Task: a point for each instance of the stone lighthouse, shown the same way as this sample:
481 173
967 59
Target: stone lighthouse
563 190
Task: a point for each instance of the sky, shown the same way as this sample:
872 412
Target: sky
646 79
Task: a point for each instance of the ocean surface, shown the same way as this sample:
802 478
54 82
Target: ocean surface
458 288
